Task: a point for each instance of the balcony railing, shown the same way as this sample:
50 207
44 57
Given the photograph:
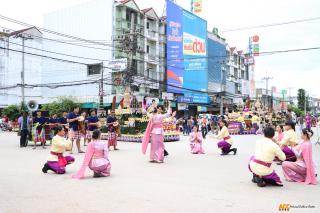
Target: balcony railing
151 34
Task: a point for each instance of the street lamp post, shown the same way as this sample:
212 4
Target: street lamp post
305 103
22 74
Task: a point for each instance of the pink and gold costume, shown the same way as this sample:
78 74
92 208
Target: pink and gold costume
155 129
196 145
56 161
96 158
303 170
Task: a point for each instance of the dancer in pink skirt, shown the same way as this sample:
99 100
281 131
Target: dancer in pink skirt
196 141
155 130
96 158
303 170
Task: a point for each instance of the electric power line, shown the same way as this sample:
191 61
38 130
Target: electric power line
272 24
173 60
49 31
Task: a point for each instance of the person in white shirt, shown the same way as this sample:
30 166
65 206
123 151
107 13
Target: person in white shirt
289 141
260 164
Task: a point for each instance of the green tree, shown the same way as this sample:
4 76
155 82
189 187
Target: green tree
67 103
296 110
301 98
62 104
12 111
53 108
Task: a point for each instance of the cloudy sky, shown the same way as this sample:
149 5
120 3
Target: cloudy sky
296 69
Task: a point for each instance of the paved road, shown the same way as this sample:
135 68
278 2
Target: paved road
184 183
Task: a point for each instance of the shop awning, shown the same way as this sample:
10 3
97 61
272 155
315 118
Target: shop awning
88 105
93 105
173 103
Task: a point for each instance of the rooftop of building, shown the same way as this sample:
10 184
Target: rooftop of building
15 33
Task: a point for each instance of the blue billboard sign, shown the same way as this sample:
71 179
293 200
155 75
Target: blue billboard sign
195 75
187 66
174 48
201 98
184 99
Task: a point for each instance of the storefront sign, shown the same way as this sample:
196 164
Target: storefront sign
182 106
184 99
202 109
167 95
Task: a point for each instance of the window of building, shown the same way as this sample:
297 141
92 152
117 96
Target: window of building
148 48
147 25
94 69
235 59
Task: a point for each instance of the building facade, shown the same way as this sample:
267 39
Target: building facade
237 77
4 38
86 47
20 54
145 30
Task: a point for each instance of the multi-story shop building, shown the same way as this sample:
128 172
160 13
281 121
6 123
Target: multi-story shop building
217 56
147 34
114 30
237 81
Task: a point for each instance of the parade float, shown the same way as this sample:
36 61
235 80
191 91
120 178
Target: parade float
133 122
241 128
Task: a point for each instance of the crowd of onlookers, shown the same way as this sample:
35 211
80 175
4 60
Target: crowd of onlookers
5 124
208 122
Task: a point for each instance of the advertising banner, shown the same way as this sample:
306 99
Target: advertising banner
182 106
245 87
196 6
118 64
174 48
202 109
249 60
167 95
252 89
195 75
184 99
186 53
198 98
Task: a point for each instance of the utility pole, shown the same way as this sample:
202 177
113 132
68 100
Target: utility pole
221 87
130 56
22 73
267 78
290 88
305 103
101 92
23 39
